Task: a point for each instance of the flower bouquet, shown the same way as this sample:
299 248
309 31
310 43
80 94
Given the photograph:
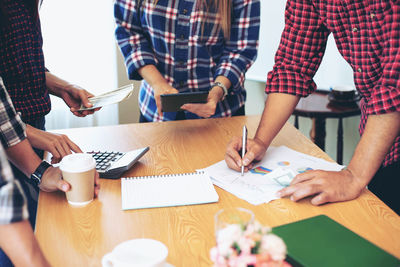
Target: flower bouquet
250 244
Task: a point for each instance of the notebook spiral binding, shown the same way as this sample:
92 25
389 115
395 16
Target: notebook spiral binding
163 175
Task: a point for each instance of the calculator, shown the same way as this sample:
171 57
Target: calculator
113 164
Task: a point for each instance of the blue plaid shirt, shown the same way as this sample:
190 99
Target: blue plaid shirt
188 47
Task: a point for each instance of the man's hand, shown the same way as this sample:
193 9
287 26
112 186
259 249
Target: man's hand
74 96
255 151
58 145
324 186
52 181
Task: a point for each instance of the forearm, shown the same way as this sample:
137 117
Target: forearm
277 111
56 85
153 77
19 243
379 135
23 156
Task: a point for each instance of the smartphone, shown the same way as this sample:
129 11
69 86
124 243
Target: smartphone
173 102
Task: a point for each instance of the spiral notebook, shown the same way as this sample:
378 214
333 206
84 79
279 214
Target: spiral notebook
167 190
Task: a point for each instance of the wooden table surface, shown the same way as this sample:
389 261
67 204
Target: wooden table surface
72 236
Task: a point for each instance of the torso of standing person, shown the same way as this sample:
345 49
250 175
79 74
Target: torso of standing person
367 34
22 64
188 47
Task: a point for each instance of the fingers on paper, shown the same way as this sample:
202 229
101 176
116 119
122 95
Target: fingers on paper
232 157
303 177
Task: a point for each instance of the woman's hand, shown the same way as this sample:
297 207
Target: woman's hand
59 145
161 89
208 109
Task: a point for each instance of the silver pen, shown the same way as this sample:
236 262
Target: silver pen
244 142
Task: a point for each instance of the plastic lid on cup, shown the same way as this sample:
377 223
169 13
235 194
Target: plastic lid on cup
78 162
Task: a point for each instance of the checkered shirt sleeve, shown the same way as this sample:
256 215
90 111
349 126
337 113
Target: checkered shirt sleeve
385 95
300 51
132 41
12 129
240 50
13 207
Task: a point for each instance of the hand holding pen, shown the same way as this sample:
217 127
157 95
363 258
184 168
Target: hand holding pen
241 152
244 144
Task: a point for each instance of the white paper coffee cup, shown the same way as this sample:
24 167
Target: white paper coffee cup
79 171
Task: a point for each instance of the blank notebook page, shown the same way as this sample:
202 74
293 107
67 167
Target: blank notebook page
167 190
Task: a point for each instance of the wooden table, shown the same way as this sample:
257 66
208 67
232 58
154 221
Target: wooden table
81 236
318 107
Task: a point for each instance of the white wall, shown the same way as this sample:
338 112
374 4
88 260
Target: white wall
334 70
79 46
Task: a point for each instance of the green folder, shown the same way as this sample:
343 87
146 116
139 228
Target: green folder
321 242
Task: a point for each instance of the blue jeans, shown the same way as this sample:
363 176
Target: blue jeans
31 192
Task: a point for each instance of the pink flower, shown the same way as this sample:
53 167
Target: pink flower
274 246
235 246
218 259
245 244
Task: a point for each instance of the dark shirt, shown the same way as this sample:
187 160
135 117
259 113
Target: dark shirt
367 34
22 62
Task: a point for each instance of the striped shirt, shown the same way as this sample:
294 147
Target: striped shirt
367 34
187 46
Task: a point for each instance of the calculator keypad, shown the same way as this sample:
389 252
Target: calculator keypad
104 159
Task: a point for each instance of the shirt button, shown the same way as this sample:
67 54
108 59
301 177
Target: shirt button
359 70
355 29
181 83
184 11
181 63
372 15
182 37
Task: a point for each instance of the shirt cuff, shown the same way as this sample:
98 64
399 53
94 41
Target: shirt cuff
13 132
137 60
231 72
279 81
383 100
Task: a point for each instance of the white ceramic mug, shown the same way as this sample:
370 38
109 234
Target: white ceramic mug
137 253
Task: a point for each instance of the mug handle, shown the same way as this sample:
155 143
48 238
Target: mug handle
107 260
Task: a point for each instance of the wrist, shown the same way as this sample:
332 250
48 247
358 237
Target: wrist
360 181
37 175
216 94
260 142
223 89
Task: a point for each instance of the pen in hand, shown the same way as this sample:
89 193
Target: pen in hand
244 142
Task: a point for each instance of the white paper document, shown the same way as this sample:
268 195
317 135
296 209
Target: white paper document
277 169
111 97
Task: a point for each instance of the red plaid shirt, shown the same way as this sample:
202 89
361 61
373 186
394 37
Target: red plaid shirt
367 34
